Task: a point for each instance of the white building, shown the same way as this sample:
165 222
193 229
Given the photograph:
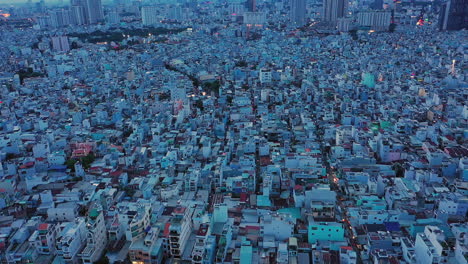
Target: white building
179 231
60 43
149 15
71 240
279 226
44 238
461 245
113 17
96 236
334 9
256 19
344 25
178 92
265 76
135 218
430 246
63 212
347 255
376 20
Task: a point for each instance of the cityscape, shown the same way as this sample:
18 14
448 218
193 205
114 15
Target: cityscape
233 131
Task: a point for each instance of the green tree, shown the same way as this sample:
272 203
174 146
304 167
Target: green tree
103 259
87 160
71 164
74 45
212 86
199 104
353 33
241 63
399 170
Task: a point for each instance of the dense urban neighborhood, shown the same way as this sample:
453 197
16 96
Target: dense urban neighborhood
282 131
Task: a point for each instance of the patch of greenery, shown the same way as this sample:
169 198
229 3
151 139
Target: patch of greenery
29 73
120 34
241 63
85 161
164 96
212 86
353 33
199 104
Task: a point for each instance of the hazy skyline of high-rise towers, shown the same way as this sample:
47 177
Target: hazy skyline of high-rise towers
298 12
87 11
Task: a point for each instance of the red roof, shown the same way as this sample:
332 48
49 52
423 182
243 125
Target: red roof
27 165
298 187
203 230
179 210
243 197
115 173
166 229
449 137
43 226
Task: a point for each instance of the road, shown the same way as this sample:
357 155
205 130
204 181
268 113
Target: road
333 181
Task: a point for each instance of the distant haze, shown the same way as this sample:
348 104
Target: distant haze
15 2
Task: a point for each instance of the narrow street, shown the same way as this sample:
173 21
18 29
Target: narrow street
340 208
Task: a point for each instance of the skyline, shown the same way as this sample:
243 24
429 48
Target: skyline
51 2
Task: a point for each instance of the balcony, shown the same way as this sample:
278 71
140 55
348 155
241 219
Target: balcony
174 245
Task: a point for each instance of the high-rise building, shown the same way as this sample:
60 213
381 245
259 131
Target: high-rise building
376 20
95 11
113 17
297 12
453 15
90 11
237 9
60 18
343 24
79 11
334 9
55 19
251 5
175 13
78 15
44 21
67 17
60 43
378 5
149 15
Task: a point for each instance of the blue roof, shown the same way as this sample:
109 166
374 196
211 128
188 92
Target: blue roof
58 167
246 254
263 200
392 226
